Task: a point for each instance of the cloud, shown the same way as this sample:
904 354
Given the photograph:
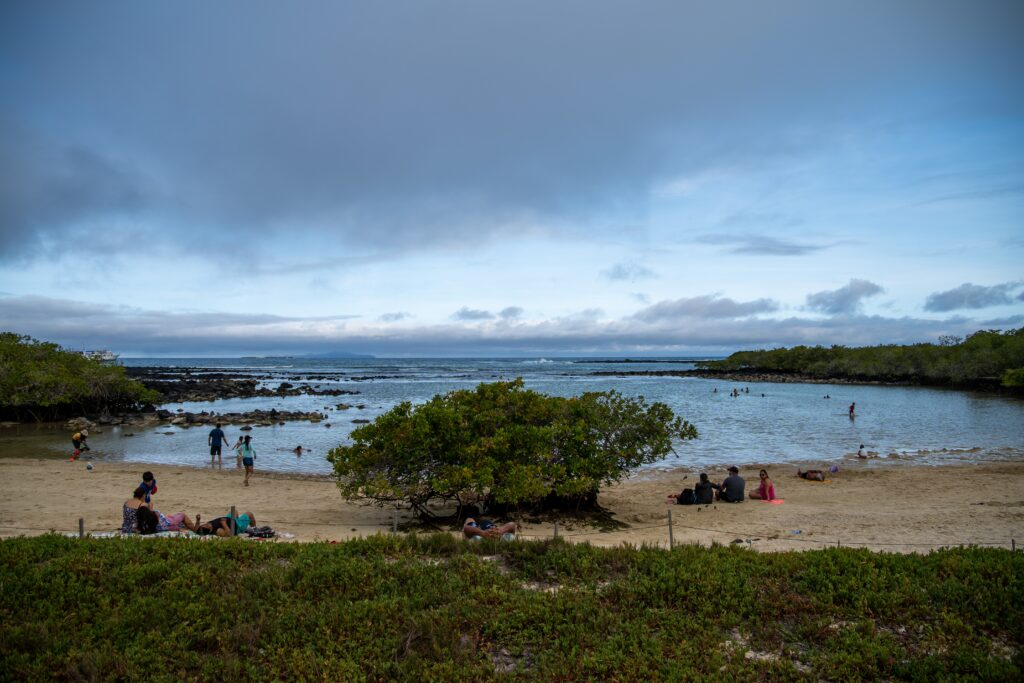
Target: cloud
133 331
762 245
628 271
707 306
465 313
458 139
510 313
394 317
48 184
641 297
845 300
971 296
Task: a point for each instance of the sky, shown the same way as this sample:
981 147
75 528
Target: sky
484 178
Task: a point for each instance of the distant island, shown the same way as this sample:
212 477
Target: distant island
326 355
336 355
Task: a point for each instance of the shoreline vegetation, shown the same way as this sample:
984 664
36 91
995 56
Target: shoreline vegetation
986 360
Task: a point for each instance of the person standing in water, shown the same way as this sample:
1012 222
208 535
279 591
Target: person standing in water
853 410
248 454
215 440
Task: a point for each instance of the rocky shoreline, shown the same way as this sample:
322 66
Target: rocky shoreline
989 384
748 377
184 419
195 384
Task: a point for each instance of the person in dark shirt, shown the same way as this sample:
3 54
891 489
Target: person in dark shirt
731 490
705 490
215 440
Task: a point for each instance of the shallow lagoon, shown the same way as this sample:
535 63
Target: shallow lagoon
789 423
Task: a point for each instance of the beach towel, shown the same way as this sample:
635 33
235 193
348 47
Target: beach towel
774 501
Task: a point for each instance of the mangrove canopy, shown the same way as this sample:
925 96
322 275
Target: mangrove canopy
501 446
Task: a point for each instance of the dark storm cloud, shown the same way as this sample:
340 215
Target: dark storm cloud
845 300
628 271
45 185
971 296
762 245
707 306
398 126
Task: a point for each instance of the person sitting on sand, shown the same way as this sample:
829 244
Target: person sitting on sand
811 475
221 526
861 453
705 490
130 510
731 490
766 490
487 529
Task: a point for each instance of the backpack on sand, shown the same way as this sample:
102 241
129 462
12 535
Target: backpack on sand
687 497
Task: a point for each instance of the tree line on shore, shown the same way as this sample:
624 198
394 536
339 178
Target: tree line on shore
987 358
42 381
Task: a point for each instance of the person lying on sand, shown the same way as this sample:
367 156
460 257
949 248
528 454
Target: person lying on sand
487 529
221 526
811 475
154 521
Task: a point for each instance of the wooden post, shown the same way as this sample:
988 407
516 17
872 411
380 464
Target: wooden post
234 527
1013 545
394 521
670 542
556 528
81 527
838 544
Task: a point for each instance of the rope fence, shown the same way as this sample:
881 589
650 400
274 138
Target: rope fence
747 536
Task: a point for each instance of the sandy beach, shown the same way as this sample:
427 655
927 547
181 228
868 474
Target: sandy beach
897 508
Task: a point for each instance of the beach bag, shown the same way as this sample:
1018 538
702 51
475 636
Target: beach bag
260 532
687 497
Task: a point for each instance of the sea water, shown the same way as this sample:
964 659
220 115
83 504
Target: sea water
770 423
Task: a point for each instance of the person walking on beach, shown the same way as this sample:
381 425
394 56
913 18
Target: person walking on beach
248 454
238 453
215 439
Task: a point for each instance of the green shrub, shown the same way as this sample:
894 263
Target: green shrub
506 445
433 608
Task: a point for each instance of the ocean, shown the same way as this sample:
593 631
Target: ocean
773 423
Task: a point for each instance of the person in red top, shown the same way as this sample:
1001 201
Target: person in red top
766 490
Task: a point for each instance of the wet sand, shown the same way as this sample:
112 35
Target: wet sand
893 508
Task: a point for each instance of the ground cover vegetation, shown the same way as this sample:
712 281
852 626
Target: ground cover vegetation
986 358
42 381
501 446
437 608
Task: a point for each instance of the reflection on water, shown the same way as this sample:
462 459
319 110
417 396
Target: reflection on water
789 423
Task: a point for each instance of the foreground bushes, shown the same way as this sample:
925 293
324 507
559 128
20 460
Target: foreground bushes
435 608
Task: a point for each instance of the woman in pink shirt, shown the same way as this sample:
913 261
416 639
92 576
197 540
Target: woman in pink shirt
766 491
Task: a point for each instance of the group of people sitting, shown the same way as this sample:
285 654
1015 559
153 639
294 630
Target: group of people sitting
731 490
140 516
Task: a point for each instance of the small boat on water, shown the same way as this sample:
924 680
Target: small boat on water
102 355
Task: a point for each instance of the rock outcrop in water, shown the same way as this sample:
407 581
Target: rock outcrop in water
187 384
